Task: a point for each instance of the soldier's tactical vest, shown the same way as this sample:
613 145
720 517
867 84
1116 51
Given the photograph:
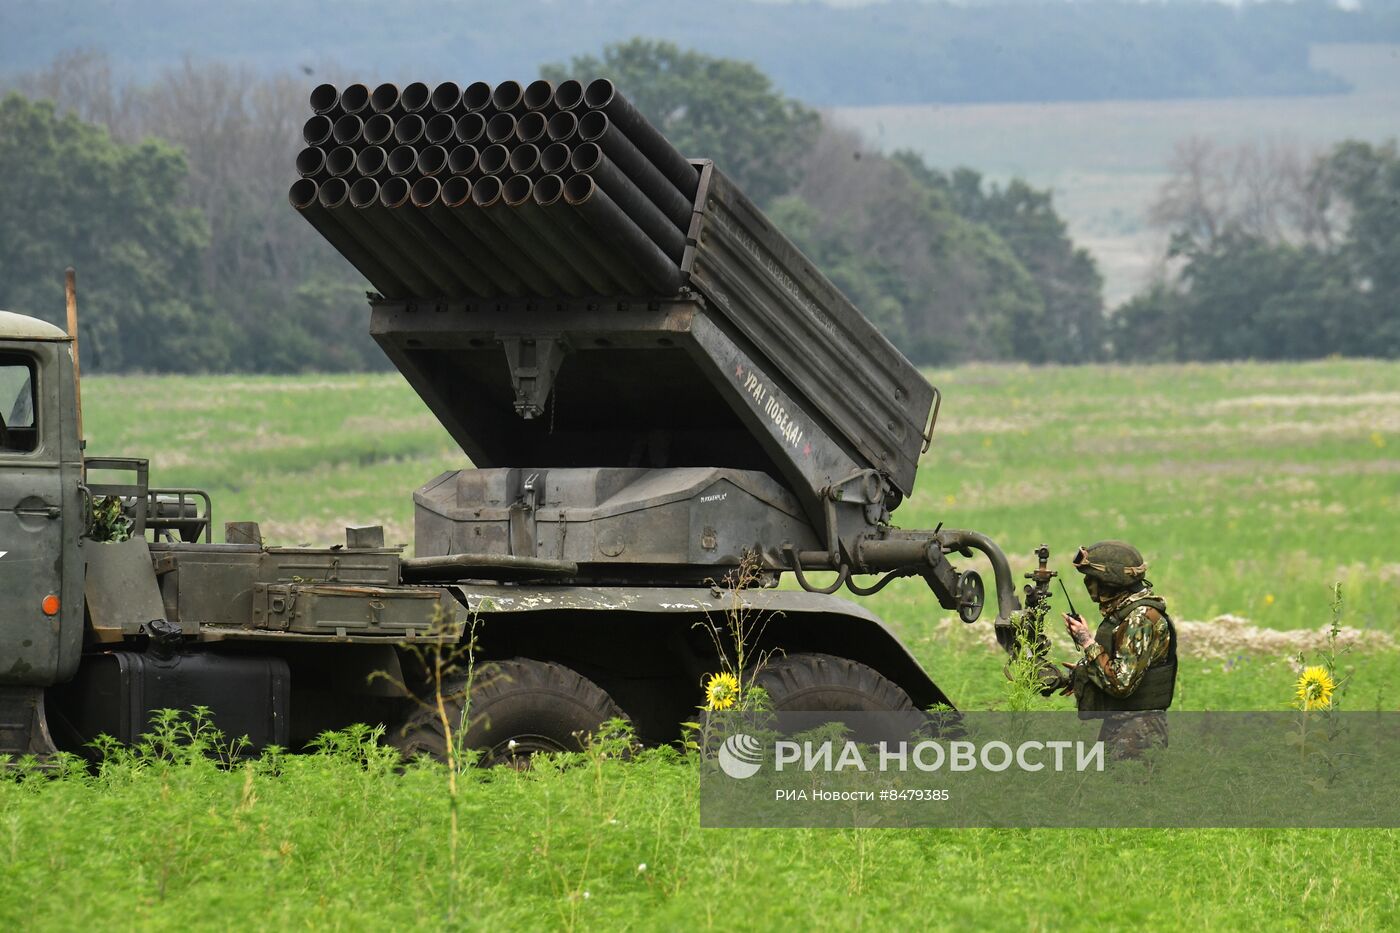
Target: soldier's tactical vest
1158 683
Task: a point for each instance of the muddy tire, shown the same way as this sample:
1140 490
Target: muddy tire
518 707
826 683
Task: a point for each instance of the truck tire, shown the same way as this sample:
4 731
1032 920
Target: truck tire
826 683
518 707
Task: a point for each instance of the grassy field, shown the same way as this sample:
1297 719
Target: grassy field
1251 488
1106 160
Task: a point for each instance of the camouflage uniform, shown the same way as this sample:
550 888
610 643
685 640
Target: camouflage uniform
1139 640
1136 685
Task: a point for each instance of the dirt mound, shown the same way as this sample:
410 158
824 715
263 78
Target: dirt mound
1223 637
1229 635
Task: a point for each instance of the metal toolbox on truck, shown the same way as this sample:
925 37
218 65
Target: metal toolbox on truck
343 610
213 584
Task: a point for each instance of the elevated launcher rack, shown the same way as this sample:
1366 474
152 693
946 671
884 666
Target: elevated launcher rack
604 423
756 363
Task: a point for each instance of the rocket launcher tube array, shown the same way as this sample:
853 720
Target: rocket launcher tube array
462 191
569 192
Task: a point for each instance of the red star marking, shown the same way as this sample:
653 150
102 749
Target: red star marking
738 370
806 450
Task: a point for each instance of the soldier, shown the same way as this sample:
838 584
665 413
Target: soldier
1128 673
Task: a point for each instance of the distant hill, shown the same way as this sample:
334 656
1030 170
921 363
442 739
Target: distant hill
878 53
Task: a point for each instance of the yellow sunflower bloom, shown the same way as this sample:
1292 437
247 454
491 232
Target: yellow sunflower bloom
1315 689
721 691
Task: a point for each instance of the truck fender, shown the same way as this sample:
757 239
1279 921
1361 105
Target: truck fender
788 621
120 588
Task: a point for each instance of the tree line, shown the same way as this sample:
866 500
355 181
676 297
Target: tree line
170 198
1274 254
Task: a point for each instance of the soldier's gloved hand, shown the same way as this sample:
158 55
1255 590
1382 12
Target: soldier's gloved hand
1069 678
1078 630
1053 680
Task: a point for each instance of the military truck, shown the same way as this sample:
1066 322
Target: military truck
644 413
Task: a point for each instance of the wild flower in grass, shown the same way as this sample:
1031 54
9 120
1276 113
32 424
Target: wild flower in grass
1319 687
1315 689
1024 671
721 691
734 635
446 663
734 632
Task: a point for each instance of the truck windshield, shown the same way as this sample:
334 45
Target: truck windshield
17 427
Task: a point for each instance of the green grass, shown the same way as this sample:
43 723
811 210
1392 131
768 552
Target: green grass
333 842
1251 489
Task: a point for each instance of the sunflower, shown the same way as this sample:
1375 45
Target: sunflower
721 691
1315 688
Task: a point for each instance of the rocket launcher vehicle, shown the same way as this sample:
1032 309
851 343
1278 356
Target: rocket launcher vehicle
651 381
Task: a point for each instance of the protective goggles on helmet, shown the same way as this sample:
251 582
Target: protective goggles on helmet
1085 565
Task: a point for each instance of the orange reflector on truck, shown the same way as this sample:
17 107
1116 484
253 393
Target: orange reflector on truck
50 605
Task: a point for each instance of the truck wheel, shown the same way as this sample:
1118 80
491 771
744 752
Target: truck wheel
518 707
826 683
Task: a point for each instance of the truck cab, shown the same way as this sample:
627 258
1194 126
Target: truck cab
42 521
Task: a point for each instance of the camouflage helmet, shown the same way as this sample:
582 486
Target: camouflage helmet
1115 564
